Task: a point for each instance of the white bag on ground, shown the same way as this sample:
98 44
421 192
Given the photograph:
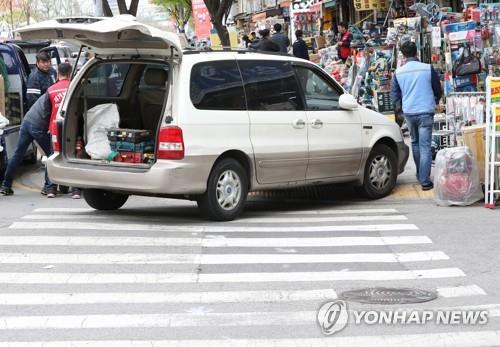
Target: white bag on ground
100 118
456 177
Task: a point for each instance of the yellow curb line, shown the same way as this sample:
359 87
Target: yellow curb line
17 185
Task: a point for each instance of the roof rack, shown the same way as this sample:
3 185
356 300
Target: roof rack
231 50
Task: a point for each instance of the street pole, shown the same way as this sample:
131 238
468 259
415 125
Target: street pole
99 12
292 22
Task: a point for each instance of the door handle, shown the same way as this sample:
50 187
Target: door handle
299 124
316 123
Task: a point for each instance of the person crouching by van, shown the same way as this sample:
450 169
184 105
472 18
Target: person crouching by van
56 93
37 124
34 126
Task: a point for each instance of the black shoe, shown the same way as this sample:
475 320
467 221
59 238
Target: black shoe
6 191
43 191
428 186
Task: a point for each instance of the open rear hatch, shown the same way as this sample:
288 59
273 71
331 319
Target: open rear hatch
113 35
129 85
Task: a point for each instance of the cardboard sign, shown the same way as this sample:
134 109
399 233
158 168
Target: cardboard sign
495 89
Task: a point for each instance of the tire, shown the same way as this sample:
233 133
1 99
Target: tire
381 171
104 200
225 201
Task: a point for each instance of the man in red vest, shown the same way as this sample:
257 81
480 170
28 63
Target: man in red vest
56 93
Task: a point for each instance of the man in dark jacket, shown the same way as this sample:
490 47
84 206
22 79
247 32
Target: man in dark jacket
265 44
34 126
281 39
41 78
299 47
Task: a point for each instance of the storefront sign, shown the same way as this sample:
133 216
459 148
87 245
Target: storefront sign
201 17
367 5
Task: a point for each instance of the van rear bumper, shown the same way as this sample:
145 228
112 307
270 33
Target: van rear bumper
169 177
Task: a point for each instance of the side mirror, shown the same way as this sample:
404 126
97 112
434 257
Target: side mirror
348 102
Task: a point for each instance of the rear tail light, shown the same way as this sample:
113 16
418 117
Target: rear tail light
170 143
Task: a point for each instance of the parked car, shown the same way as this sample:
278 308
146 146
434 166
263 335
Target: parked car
18 71
226 123
31 48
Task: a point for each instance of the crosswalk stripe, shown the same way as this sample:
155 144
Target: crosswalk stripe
275 296
247 220
205 297
204 228
95 278
64 209
173 320
330 276
476 338
97 241
219 241
148 258
314 241
320 219
319 211
453 292
341 211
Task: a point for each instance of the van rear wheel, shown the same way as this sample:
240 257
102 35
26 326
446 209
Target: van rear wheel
380 172
103 199
227 191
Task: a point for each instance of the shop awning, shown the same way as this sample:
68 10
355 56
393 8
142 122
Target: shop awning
242 16
259 17
329 4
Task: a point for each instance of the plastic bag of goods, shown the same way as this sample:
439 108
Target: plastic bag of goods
456 177
100 118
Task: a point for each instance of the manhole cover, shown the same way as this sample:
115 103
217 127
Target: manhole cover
389 296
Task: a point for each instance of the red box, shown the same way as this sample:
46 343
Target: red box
129 157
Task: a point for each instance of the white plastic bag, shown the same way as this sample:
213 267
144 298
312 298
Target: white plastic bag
3 121
456 177
100 118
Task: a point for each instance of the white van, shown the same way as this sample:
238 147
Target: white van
224 123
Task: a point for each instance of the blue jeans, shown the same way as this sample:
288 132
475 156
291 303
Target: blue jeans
27 134
421 136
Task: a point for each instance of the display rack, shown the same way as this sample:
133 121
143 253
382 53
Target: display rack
492 163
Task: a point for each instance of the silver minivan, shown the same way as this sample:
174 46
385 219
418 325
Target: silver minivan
225 123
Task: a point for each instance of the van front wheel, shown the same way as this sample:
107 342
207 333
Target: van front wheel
380 172
104 200
227 191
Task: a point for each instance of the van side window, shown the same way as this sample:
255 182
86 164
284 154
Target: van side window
217 85
270 86
319 94
107 79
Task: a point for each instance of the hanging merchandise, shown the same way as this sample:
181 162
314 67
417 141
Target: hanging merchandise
456 178
467 63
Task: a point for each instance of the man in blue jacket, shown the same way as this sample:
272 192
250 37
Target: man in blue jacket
417 88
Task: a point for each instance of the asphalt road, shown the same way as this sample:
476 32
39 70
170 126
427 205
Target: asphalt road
156 273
